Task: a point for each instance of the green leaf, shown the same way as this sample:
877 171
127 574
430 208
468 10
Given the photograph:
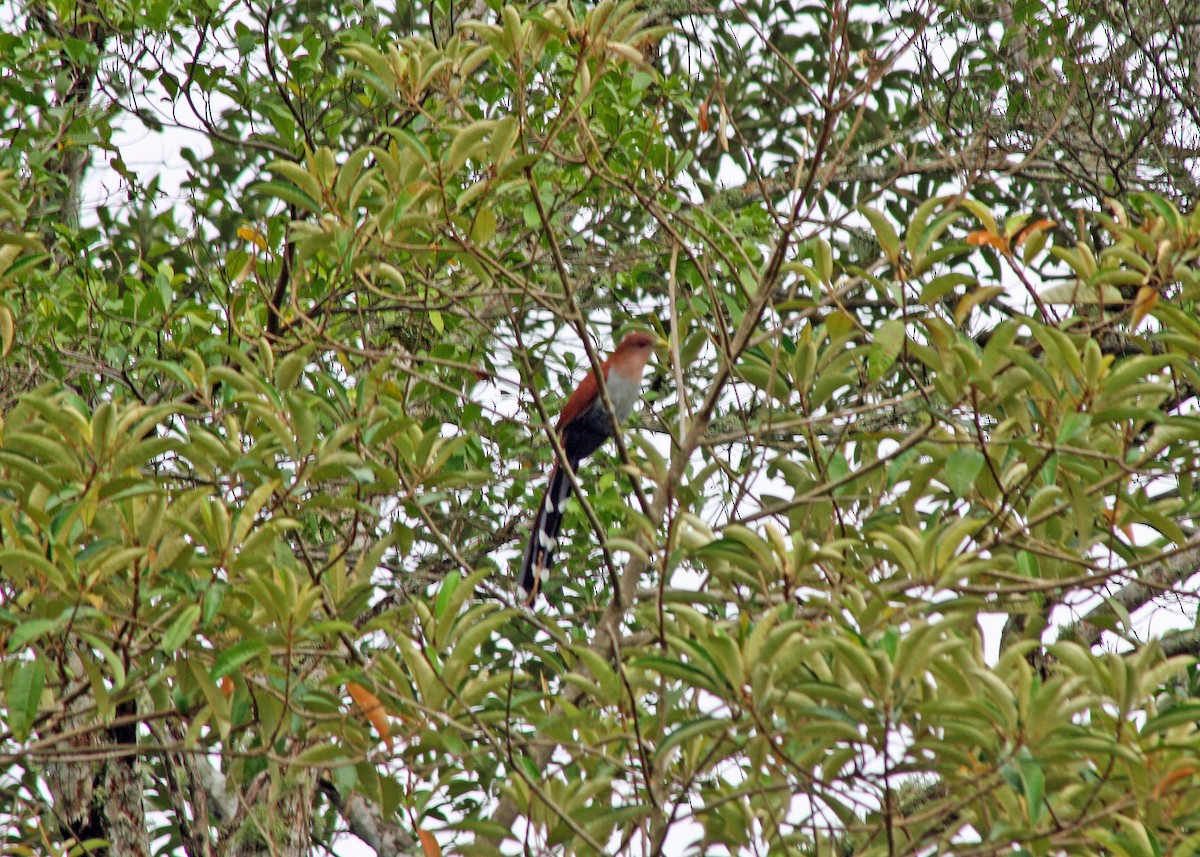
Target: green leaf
468 142
484 227
1073 425
22 695
446 592
886 347
884 232
937 288
1034 782
233 657
180 631
287 193
690 730
963 467
30 630
324 755
915 236
1185 713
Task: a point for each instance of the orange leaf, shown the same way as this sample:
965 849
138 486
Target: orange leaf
430 844
372 708
1171 779
703 117
1030 229
226 686
1147 297
981 237
1111 516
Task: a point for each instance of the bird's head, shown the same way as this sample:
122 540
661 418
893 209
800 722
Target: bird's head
639 342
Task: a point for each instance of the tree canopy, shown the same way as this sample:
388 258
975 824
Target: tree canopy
896 558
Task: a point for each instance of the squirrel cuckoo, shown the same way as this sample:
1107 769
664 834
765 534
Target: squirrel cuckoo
583 426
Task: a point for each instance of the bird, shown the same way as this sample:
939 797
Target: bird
583 426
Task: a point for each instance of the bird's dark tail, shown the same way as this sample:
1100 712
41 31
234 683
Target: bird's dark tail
543 537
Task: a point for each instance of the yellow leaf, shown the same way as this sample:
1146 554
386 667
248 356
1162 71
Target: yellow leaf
372 708
7 330
249 233
1145 301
